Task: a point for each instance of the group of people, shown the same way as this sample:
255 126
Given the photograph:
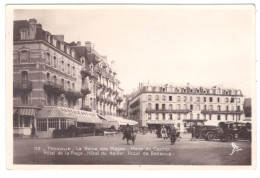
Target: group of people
170 133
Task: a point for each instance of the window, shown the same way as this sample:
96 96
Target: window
163 115
24 99
54 42
204 99
55 62
149 97
191 116
68 68
24 56
149 106
226 117
185 98
157 106
163 106
48 77
205 107
170 106
226 100
178 107
62 46
179 125
238 100
238 108
218 99
24 76
170 116
191 99
210 99
68 50
185 106
210 117
157 116
73 71
226 108
73 53
149 116
163 97
185 116
55 79
68 84
178 98
219 108
48 59
191 107
27 122
24 34
210 107
179 117
62 82
219 118
157 97
198 99
185 125
55 100
62 66
198 107
170 98
198 116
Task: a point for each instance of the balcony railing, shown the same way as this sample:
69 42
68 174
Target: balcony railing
194 120
54 88
73 94
185 111
85 90
86 71
22 86
221 112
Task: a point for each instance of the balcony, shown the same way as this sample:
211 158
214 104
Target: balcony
86 71
194 120
72 94
85 90
119 99
93 77
53 88
22 86
184 111
221 112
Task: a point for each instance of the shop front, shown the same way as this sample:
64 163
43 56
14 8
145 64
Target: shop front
61 118
23 120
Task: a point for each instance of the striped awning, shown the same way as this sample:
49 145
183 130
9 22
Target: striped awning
50 112
122 121
27 111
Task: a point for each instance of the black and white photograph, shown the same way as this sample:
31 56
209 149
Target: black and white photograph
168 85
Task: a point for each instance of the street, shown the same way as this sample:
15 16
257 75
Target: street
148 150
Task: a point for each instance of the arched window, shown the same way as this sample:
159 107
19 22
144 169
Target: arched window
68 68
55 61
62 82
170 106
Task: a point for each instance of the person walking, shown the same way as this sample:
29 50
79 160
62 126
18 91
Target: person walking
193 130
164 133
127 133
33 131
172 134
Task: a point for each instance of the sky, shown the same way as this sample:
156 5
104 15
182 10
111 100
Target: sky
202 45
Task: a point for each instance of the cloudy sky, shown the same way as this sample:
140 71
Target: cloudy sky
202 45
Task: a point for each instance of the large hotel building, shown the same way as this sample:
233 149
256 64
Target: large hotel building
56 83
156 105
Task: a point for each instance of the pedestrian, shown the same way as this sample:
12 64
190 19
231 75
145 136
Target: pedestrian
128 131
193 130
172 134
164 133
33 131
158 132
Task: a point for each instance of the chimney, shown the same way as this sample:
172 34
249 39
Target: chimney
32 28
188 84
88 45
78 43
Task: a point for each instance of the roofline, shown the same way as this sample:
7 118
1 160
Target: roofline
38 41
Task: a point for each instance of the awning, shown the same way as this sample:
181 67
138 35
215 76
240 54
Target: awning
161 122
122 121
27 112
50 112
68 113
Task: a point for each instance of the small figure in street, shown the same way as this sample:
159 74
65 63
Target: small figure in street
193 130
33 131
164 133
158 133
128 134
172 134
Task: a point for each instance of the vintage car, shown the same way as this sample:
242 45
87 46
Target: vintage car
235 130
208 132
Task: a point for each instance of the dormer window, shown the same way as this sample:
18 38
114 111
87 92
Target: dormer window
73 53
68 50
48 37
24 34
54 42
62 46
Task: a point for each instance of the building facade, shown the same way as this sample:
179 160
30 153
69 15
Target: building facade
47 71
157 105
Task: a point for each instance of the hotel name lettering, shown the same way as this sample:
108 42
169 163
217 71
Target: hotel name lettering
104 151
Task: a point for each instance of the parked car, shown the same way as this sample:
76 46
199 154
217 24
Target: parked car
208 132
235 130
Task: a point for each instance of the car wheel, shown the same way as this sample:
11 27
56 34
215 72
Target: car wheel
229 138
211 136
222 138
